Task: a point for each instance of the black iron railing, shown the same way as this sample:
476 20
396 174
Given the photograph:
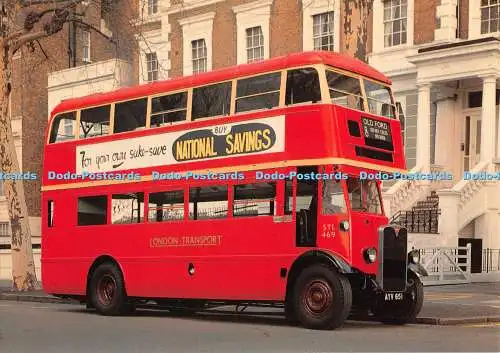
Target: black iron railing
418 221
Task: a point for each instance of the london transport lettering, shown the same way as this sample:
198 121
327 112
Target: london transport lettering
181 241
250 137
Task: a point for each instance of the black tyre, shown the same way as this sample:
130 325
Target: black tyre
290 316
322 298
107 291
406 311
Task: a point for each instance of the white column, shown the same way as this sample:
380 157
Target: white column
498 133
424 125
447 145
448 219
488 118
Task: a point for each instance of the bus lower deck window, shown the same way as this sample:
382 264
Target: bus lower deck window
127 208
92 210
166 206
209 202
254 200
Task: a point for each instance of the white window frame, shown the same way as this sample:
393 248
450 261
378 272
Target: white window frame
199 58
475 21
378 27
150 4
154 41
392 21
254 48
321 34
254 14
194 28
149 71
86 45
311 8
143 11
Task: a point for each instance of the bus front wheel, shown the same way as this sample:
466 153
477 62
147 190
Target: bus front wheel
322 298
107 291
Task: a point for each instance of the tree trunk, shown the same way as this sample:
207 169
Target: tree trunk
23 267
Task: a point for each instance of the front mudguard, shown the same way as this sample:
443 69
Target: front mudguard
417 269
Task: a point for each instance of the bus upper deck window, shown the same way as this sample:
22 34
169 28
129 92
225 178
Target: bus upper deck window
379 99
345 90
302 86
213 100
259 92
94 122
131 115
333 198
63 127
168 109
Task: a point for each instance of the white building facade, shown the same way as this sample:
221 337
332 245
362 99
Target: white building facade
449 91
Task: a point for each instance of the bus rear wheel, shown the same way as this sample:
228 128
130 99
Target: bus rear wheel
406 311
322 298
107 291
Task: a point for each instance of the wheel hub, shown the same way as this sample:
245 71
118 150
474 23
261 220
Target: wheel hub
106 289
318 297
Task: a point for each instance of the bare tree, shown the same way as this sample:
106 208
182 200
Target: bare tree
22 22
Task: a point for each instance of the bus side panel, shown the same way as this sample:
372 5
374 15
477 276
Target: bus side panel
64 264
238 263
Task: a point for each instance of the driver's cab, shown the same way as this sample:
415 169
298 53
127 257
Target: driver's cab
340 210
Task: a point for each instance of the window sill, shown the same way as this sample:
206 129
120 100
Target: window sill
147 19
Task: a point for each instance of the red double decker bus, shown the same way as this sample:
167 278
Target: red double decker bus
248 185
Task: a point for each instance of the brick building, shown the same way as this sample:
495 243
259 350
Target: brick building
64 66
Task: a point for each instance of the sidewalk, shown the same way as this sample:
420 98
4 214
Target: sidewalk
443 305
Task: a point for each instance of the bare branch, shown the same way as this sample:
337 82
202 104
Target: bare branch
95 29
28 3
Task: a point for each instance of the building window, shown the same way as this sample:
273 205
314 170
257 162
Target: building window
4 229
86 46
323 31
199 55
152 66
152 7
395 22
255 44
490 16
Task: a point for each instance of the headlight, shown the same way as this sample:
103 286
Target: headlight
344 226
414 256
370 255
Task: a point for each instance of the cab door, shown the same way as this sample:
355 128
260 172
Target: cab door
366 216
333 221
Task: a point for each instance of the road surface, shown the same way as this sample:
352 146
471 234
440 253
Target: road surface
59 328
